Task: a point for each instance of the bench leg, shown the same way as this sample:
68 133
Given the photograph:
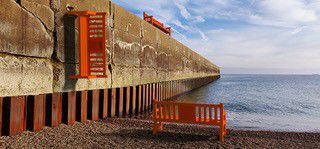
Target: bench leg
157 126
160 126
222 132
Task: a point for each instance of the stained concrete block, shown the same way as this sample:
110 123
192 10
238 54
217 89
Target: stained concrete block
128 76
121 76
63 83
22 33
189 60
136 77
40 9
163 51
149 46
149 34
175 75
67 26
148 57
176 60
148 75
162 75
79 5
162 60
126 49
125 21
24 76
163 41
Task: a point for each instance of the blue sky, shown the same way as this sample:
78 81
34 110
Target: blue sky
244 36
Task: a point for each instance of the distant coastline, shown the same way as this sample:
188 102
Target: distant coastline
272 71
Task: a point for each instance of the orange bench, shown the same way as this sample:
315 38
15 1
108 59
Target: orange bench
190 113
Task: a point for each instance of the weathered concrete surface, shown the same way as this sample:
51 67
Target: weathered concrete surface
41 9
158 57
149 44
125 21
122 76
126 49
24 76
22 33
63 83
137 52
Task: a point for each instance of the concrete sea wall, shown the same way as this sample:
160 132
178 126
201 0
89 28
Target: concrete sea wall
38 53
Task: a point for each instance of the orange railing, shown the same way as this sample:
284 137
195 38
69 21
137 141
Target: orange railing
191 113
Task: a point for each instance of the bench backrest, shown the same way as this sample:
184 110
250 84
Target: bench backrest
193 113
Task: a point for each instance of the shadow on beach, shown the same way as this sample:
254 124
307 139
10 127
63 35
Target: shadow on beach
166 136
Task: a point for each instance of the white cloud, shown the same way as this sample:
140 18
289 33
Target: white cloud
290 11
299 29
261 47
183 11
203 36
198 19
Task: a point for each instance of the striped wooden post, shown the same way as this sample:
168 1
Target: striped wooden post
14 115
154 93
39 105
54 109
139 106
0 116
120 101
82 106
113 102
93 104
165 90
128 96
143 98
104 104
133 100
71 108
147 97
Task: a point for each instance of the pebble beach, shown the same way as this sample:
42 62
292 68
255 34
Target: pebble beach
136 133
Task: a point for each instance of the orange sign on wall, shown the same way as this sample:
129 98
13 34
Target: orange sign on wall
92 44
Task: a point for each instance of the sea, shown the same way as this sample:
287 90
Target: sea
265 102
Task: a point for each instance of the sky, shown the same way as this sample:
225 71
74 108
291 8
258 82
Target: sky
244 36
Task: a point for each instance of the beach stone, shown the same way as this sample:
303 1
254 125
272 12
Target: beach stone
133 133
24 76
22 33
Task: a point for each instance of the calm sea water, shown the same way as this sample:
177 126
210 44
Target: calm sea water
265 102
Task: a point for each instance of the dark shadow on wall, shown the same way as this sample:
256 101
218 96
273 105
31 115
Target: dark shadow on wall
69 51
